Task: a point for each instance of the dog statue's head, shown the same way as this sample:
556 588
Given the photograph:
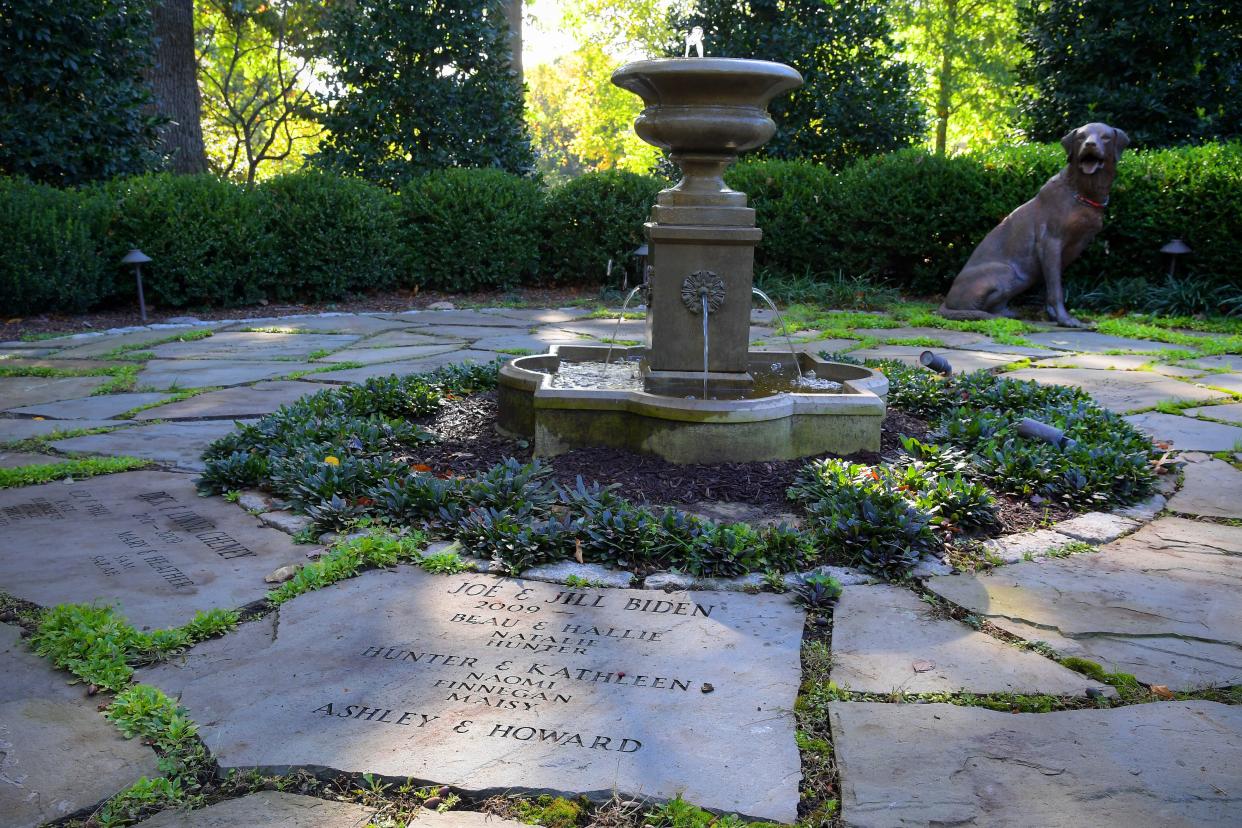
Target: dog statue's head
1095 146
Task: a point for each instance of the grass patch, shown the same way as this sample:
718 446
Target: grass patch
916 341
131 351
602 312
40 444
1145 328
85 467
323 369
348 558
515 351
175 396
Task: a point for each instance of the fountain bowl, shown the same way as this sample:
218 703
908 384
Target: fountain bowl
783 426
715 106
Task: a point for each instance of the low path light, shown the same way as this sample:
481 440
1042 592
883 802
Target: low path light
935 362
1035 430
137 258
1173 250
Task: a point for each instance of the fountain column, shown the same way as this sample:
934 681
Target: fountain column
701 235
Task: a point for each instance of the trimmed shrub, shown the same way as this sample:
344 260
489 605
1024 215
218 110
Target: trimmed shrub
472 229
594 218
330 236
51 259
205 235
791 208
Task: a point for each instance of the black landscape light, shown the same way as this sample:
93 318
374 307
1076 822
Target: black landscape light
1173 250
1035 430
640 262
137 258
937 363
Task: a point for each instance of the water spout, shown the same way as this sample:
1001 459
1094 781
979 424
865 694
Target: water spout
703 299
620 319
781 320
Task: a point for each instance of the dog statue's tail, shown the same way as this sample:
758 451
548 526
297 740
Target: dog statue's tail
964 315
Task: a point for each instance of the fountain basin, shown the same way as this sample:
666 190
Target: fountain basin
782 426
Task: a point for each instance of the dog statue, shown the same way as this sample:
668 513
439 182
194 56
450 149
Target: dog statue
1044 236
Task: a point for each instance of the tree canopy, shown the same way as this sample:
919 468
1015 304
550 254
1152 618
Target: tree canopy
1166 71
74 103
859 95
414 87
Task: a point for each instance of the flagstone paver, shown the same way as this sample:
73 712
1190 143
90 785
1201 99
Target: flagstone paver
963 362
1228 382
405 674
404 336
1017 351
607 328
1170 613
13 459
1211 488
1187 433
1092 341
1229 412
94 346
1096 527
91 408
1120 362
178 445
456 318
886 639
17 392
1142 766
14 429
58 755
417 366
254 346
406 353
345 323
949 338
144 541
233 403
1120 391
208 373
1230 362
271 809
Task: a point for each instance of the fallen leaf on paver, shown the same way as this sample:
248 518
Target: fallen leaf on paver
578 551
922 666
421 467
1161 691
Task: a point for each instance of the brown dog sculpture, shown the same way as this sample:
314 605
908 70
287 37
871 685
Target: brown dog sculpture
1043 236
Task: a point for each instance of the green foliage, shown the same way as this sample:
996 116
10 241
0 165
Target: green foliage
591 219
549 811
375 549
205 235
77 469
331 237
471 229
818 591
1166 72
74 103
52 257
677 813
858 98
392 108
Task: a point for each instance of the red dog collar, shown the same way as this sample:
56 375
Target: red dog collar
1096 204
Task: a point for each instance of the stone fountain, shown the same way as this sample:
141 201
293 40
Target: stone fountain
695 392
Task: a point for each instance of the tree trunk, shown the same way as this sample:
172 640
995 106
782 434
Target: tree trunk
513 14
944 78
175 83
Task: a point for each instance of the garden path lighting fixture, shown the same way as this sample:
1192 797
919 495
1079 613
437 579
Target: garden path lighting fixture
137 258
1035 430
1173 250
936 363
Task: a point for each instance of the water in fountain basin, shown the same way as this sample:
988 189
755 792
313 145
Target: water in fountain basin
781 321
620 319
628 376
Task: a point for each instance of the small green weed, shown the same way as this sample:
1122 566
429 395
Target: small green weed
348 558
85 467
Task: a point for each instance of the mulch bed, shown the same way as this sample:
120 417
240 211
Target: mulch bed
468 443
390 302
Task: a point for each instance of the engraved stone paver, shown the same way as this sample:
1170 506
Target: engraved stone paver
179 445
1212 488
22 391
1120 391
141 540
885 639
1187 433
245 401
58 755
489 685
271 809
1164 604
1141 766
91 408
254 345
207 373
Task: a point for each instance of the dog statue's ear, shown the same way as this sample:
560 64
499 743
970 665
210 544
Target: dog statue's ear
1068 142
1120 141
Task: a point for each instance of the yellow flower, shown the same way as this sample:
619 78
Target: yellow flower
332 461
